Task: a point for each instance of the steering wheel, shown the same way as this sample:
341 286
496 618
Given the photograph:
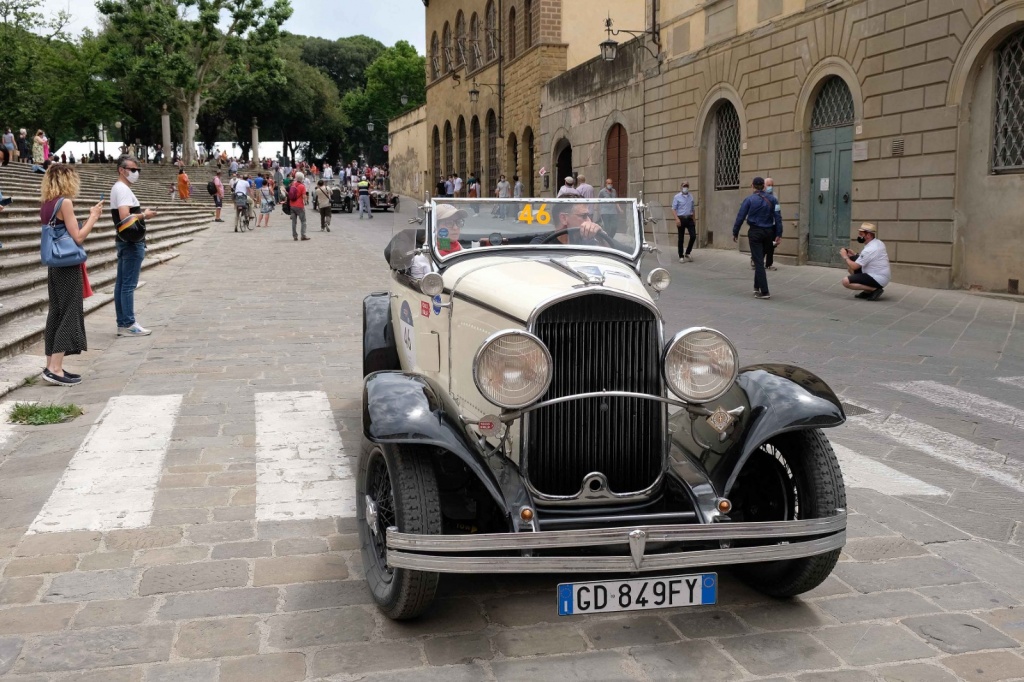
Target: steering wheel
565 230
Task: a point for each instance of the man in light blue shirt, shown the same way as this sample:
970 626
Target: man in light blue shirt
682 206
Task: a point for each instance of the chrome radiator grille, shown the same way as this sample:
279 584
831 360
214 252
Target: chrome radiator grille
597 342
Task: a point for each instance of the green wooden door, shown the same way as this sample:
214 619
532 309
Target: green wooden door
831 193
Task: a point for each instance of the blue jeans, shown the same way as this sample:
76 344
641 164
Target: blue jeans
760 238
129 265
364 206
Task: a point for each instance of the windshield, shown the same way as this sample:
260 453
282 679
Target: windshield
460 226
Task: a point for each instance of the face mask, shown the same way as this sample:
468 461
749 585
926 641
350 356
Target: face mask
769 189
860 240
608 186
685 190
133 177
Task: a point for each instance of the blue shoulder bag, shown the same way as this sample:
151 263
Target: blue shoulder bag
56 248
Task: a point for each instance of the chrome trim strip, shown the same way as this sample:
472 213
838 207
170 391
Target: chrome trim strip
576 293
512 416
614 564
547 539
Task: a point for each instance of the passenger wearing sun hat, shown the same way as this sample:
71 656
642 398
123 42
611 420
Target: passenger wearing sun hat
869 269
569 186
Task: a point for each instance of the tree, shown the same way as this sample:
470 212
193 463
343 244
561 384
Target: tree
26 34
398 70
344 60
193 56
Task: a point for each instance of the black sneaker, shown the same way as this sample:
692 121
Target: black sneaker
864 294
758 294
60 380
876 294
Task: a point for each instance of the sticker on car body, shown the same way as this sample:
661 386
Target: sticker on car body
408 340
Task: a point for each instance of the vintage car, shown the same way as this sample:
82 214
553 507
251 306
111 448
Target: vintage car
523 413
381 200
341 199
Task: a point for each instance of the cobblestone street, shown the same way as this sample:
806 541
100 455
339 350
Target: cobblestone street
257 340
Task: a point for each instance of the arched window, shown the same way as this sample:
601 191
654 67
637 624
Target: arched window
475 142
490 26
1008 136
512 33
492 151
446 47
460 39
834 106
437 155
449 155
473 48
527 24
727 147
435 57
616 153
461 168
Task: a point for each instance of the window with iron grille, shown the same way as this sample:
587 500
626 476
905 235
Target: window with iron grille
834 106
460 39
462 147
473 45
446 48
512 33
1008 136
492 151
437 155
727 147
528 24
490 26
475 136
435 66
449 156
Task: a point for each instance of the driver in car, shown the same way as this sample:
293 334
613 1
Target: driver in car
575 219
449 228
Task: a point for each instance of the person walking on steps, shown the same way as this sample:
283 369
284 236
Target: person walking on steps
758 209
682 206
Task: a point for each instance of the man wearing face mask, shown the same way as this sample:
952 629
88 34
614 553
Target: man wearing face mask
869 269
758 209
769 249
609 212
130 252
682 206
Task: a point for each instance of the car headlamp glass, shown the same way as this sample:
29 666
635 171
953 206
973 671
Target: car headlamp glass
512 369
700 364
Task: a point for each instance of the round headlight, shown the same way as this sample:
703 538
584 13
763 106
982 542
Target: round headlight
700 364
659 279
512 369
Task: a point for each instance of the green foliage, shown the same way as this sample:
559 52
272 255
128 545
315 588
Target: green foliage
38 415
344 60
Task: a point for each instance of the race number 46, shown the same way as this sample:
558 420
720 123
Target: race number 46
542 217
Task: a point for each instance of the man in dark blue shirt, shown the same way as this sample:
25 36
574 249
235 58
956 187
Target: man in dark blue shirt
759 210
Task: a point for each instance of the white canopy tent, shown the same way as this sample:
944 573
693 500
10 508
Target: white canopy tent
270 149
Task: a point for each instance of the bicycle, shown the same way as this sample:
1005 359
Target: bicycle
243 221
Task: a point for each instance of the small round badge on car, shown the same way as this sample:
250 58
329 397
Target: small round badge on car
489 425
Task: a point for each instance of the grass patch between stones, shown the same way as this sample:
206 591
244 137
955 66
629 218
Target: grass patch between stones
35 414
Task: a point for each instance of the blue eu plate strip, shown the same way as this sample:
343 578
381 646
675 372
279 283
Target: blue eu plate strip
565 600
709 588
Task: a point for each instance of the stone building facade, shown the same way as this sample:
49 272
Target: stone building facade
408 153
504 51
907 113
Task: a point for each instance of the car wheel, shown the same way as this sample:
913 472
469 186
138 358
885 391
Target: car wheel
792 476
396 486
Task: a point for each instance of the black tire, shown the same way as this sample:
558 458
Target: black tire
792 476
407 477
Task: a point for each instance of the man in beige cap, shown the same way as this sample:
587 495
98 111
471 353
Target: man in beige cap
869 269
569 186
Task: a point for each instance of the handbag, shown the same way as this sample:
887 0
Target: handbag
56 247
133 228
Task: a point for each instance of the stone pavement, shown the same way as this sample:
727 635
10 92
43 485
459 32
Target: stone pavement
930 586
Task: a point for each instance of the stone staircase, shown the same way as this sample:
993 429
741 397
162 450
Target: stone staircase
23 290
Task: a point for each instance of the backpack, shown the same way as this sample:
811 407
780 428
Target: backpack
293 192
211 187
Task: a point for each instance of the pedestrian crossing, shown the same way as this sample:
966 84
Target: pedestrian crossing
303 471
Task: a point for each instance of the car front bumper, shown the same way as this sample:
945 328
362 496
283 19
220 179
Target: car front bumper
465 553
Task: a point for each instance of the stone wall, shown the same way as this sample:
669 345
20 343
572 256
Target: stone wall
408 159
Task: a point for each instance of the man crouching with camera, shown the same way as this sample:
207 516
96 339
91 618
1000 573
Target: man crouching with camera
869 269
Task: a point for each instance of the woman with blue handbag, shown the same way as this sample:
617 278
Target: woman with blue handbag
61 251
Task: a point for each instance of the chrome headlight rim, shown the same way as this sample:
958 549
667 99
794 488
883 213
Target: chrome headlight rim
499 335
672 343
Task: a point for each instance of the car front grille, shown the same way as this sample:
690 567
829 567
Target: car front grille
598 343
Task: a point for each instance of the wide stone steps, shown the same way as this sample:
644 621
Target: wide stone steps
22 233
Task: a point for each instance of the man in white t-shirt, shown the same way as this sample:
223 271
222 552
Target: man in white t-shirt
123 203
457 185
869 269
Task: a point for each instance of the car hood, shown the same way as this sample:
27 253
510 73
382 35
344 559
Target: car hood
517 286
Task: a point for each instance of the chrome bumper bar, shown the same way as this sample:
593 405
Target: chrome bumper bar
440 553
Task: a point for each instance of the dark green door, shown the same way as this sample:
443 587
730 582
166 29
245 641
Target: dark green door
831 191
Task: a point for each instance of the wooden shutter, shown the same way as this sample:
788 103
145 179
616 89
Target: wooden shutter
617 156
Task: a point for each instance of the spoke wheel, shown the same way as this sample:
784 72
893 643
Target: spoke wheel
396 486
793 476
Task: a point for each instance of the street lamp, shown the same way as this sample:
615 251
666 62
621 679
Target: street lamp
404 99
370 123
610 48
474 92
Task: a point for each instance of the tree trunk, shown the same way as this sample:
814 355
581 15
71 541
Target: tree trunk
189 116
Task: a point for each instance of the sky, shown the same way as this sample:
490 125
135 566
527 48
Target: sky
386 20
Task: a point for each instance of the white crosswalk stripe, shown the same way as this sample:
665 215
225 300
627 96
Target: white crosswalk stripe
112 479
963 401
301 468
860 471
943 446
1014 381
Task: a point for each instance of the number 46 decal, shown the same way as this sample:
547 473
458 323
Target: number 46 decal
541 216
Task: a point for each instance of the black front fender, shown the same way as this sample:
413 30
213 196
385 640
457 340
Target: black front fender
380 351
400 407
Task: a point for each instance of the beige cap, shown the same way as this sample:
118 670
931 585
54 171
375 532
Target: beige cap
868 227
570 180
449 212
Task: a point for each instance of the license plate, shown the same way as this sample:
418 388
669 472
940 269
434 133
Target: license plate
609 596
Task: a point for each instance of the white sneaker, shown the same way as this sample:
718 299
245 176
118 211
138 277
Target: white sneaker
682 259
689 258
134 330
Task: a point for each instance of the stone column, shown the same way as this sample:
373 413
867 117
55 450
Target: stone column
165 125
255 154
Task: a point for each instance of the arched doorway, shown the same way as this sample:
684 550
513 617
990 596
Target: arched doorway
528 172
563 164
512 156
616 155
831 196
719 189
